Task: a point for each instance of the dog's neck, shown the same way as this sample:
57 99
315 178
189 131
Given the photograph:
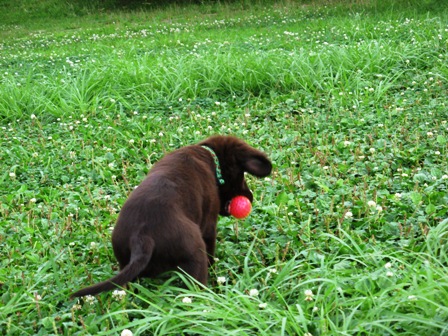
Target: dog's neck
218 167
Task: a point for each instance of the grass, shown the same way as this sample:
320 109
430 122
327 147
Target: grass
347 237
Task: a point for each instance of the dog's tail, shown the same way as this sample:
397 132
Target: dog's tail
141 252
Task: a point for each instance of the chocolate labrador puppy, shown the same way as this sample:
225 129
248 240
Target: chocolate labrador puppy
169 221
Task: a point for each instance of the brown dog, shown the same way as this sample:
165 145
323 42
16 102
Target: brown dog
169 221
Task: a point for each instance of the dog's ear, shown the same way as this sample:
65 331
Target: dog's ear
255 162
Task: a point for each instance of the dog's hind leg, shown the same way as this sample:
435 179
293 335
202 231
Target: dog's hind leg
194 260
197 266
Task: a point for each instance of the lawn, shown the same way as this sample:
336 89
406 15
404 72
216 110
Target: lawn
348 236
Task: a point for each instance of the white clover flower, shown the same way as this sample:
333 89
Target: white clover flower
389 274
388 265
33 200
93 245
444 177
253 292
33 116
372 150
429 134
379 208
126 332
37 297
131 141
348 214
412 298
263 305
371 204
12 174
76 306
273 270
347 143
90 299
398 195
187 300
309 295
315 309
118 294
221 280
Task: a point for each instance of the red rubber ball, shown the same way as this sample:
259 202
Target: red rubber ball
240 207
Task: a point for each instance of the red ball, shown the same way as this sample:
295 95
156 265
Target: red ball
240 207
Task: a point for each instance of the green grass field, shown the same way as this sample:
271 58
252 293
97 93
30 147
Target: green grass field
349 236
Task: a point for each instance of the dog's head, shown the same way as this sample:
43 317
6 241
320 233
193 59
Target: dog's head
235 158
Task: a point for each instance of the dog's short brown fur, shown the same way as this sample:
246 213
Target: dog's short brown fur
169 221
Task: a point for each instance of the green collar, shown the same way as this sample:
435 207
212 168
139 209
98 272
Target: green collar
218 168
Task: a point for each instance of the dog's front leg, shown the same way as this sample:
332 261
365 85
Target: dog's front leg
210 242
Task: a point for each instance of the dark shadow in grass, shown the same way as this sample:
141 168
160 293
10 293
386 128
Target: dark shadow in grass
110 5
